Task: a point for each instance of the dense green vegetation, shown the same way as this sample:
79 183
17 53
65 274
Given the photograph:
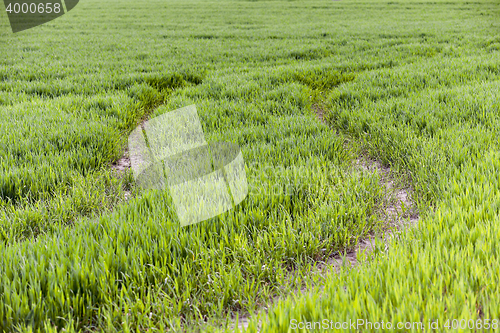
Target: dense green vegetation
439 119
414 84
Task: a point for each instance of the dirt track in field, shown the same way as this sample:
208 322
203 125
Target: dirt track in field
400 213
394 220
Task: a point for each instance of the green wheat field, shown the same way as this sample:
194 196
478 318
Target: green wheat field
412 84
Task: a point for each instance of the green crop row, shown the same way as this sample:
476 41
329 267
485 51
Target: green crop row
444 270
